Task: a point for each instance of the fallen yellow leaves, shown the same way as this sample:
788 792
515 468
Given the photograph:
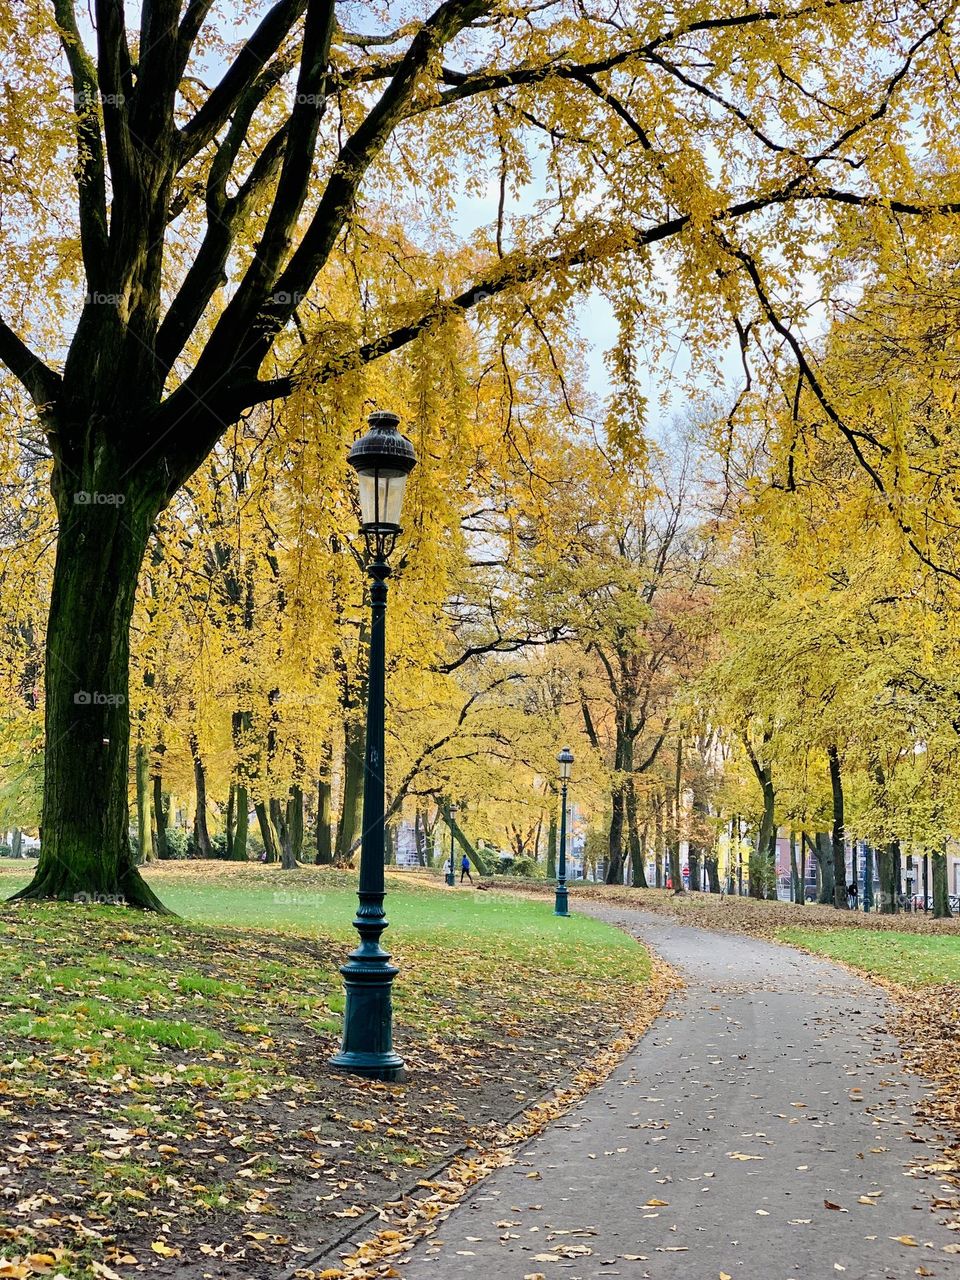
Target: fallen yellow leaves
164 1250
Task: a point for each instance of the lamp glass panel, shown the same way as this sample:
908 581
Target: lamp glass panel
565 770
381 496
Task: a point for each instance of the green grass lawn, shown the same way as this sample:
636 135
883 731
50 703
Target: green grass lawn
910 958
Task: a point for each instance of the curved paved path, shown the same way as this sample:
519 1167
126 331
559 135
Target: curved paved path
773 1088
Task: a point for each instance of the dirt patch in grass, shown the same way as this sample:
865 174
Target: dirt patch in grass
166 1104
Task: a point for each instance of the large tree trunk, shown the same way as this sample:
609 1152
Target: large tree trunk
104 524
839 859
941 890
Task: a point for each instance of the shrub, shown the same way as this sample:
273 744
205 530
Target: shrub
525 867
177 843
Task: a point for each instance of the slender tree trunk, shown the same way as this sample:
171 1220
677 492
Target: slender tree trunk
267 833
638 843
712 864
231 819
803 871
144 842
420 837
16 843
867 877
615 842
240 727
854 867
104 521
347 827
825 864
693 861
941 889
675 870
926 882
839 859
796 884
160 815
658 842
889 881
201 836
552 836
293 845
324 827
238 850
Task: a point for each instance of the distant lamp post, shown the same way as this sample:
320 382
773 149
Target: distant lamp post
382 459
451 878
565 760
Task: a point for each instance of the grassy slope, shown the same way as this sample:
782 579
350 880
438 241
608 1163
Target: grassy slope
164 1083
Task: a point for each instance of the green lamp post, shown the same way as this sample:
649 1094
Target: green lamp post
565 760
451 878
382 459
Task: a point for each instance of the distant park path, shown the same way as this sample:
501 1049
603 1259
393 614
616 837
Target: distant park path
772 1089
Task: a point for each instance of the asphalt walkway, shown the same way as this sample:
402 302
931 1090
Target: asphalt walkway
762 1130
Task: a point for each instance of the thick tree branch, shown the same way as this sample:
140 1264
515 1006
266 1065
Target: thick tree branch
90 168
41 383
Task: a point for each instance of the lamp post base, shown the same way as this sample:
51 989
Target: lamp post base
451 879
367 1048
560 905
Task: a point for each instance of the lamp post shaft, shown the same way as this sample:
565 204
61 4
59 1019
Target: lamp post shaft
560 906
367 1047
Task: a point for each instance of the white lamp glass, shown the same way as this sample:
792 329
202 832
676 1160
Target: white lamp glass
381 496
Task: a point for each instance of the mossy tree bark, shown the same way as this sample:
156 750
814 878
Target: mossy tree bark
104 523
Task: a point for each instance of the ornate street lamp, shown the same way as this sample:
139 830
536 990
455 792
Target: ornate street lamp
451 878
565 760
382 459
